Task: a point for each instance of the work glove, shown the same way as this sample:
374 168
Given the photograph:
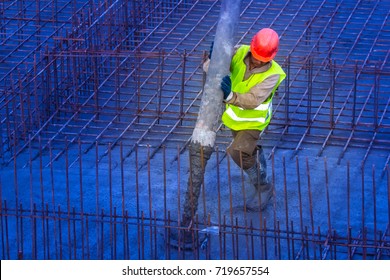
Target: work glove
226 86
211 49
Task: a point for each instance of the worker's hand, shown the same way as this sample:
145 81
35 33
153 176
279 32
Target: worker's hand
226 86
211 49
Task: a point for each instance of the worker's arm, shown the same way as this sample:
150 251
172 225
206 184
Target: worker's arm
256 96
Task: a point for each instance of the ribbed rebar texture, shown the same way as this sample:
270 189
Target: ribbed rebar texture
98 102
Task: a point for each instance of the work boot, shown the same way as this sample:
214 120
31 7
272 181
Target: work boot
263 188
260 199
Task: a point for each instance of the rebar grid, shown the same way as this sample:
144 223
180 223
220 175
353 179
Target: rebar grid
79 77
138 105
83 84
109 209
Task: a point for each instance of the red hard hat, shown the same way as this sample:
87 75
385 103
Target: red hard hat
265 44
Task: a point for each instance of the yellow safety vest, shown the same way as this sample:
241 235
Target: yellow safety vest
237 118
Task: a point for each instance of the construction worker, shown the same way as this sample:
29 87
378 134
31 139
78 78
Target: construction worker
248 93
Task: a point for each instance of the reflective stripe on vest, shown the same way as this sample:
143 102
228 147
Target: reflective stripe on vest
233 115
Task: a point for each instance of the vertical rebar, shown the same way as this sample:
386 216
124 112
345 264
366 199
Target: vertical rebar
98 241
53 202
309 92
300 206
150 199
74 234
182 89
2 143
31 191
67 184
310 207
87 237
95 83
60 230
16 189
14 115
287 94
160 78
81 199
110 200
122 170
1 221
101 220
349 209
42 195
327 195
48 236
364 247
8 96
348 195
128 245
388 200
292 239
219 198
35 234
286 206
374 203
115 234
6 252
278 238
274 194
230 202
168 236
142 235
264 237
237 239
154 251
38 117
21 250
332 66
137 74
117 88
376 96
349 241
30 122
355 81
22 121
137 201
164 159
362 199
179 214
